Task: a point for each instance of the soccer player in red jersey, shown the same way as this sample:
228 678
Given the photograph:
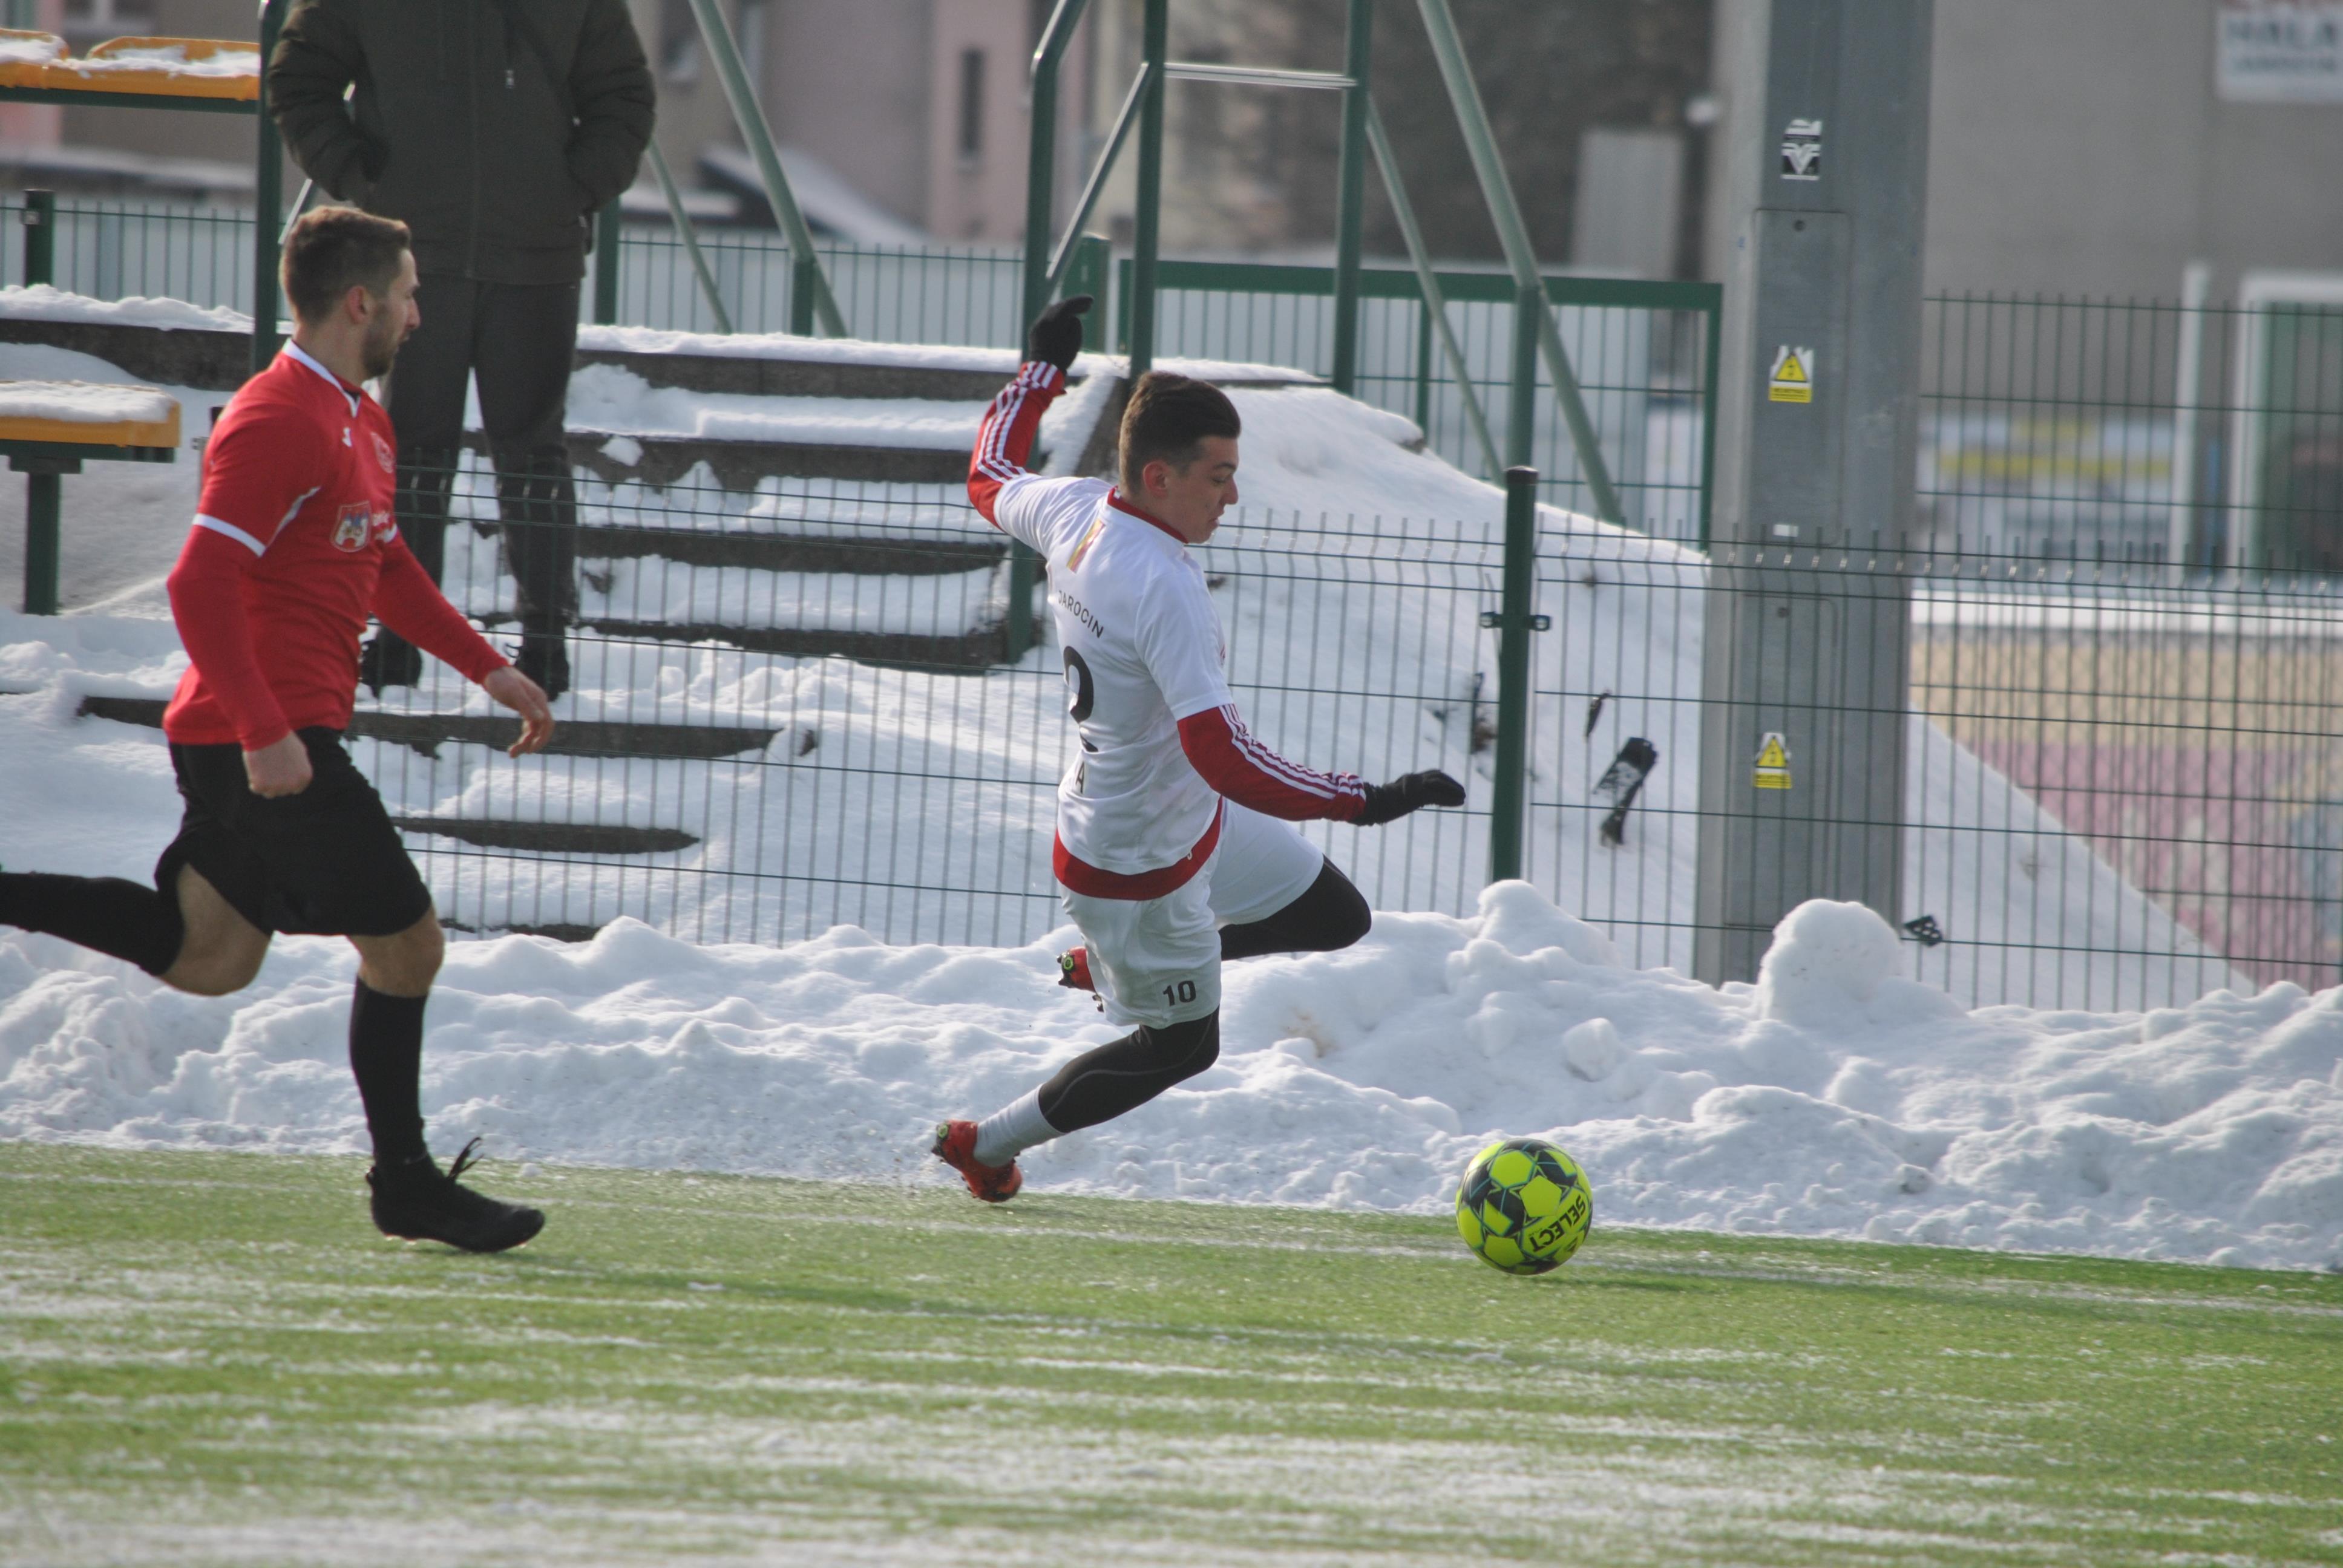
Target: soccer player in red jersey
294 545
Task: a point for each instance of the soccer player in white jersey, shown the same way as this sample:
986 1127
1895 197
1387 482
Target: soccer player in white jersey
1170 846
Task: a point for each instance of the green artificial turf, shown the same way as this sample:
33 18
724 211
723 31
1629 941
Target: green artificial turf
212 1358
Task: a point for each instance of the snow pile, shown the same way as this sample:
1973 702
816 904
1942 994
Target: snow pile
43 302
1835 1097
85 402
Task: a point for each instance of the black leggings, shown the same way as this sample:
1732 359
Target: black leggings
1123 1074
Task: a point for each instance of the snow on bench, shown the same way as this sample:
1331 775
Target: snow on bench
163 68
88 414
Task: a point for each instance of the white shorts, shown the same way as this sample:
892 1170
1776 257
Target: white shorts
1157 961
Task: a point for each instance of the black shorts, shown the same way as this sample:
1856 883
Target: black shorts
325 862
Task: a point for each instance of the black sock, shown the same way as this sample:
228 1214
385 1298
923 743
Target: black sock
1124 1074
386 1058
122 920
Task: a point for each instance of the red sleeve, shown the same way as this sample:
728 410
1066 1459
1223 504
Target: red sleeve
1006 437
1249 773
260 466
407 601
206 589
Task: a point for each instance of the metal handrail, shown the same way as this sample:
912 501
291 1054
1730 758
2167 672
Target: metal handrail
749 116
1436 300
1514 236
1063 255
682 221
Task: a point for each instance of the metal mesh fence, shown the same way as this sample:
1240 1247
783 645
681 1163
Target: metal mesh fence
792 709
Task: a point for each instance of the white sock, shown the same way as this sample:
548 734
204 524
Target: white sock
1013 1129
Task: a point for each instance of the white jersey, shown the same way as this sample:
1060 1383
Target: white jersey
1142 650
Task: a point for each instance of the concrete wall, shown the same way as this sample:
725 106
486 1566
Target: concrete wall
2077 146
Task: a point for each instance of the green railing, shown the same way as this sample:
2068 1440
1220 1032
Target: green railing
1646 354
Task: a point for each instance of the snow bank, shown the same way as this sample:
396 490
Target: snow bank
1835 1097
43 302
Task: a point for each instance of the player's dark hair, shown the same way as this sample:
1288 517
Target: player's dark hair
333 249
1169 417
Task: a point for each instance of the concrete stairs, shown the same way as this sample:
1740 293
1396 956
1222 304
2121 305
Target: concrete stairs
863 523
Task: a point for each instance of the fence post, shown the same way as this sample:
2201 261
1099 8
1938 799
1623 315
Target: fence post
40 237
1351 195
1155 45
1514 623
1521 410
605 265
1042 157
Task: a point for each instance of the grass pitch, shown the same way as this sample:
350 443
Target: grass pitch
212 1359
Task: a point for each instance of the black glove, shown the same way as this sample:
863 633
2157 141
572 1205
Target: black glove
1408 792
1057 333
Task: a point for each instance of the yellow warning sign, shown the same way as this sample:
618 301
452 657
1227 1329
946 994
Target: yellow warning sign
1773 768
1793 380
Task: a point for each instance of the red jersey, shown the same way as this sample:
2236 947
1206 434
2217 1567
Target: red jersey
294 544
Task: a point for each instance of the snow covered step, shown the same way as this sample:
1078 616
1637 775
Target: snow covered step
549 837
659 460
842 554
426 732
973 649
760 375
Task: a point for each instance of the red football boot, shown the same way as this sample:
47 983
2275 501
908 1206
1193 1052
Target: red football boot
955 1145
1074 970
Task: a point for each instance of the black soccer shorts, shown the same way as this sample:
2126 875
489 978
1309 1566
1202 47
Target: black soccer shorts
323 862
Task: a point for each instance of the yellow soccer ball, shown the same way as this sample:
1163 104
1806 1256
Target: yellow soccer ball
1524 1206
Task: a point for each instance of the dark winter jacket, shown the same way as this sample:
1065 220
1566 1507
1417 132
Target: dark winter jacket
459 128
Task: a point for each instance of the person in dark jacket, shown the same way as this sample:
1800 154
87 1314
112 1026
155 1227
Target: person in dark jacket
494 129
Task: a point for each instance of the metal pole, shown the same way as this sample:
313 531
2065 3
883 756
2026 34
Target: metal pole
1497 190
1042 156
1428 282
808 281
1123 121
1146 225
2196 285
605 265
44 495
682 221
268 199
1711 397
1521 406
1515 623
1805 693
1351 194
40 237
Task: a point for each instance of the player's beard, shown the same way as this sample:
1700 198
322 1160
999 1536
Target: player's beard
381 346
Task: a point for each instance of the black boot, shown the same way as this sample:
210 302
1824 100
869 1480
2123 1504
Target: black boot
414 1199
389 659
544 658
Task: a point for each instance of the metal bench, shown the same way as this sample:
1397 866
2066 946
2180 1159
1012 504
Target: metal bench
49 428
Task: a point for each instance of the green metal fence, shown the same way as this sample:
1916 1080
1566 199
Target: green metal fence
2126 658
1644 353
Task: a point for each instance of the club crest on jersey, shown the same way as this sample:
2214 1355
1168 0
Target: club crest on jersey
358 523
382 451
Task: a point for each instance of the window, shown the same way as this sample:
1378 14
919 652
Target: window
971 105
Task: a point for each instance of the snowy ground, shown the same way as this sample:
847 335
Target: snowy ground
1832 1099
1839 1098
